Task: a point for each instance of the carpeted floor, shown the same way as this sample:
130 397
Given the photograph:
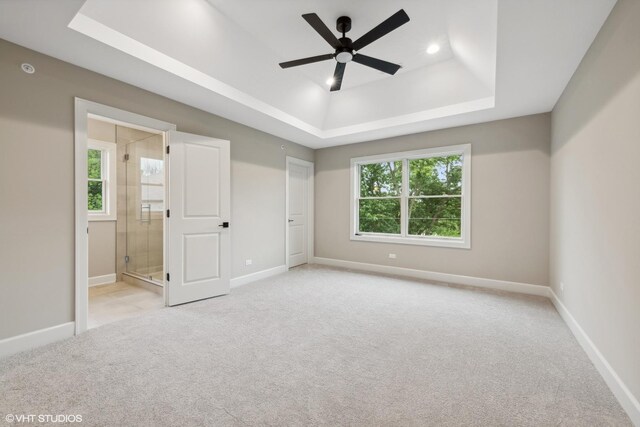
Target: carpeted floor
320 346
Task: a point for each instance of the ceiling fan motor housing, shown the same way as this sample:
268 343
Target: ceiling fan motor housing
344 54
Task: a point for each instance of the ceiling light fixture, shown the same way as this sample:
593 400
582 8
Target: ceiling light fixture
330 81
433 48
28 68
345 48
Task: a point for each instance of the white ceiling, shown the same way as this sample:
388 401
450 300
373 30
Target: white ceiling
499 58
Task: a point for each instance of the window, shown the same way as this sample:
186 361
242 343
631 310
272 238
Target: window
418 197
152 184
101 185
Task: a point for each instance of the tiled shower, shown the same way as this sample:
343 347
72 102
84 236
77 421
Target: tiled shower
141 192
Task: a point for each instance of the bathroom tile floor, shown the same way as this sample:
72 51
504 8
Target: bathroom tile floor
120 300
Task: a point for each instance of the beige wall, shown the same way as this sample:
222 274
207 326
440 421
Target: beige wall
102 248
510 203
36 182
595 196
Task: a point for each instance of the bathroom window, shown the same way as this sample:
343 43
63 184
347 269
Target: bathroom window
152 184
417 197
101 185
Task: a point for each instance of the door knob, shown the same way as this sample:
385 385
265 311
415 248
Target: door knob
290 220
224 224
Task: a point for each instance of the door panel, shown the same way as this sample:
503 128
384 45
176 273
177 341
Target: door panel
202 182
296 240
298 215
200 262
199 202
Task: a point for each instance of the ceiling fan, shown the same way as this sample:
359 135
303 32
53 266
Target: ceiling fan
346 50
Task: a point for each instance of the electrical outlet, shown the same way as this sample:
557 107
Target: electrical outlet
562 287
248 262
392 256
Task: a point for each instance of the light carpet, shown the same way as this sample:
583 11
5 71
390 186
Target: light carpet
322 346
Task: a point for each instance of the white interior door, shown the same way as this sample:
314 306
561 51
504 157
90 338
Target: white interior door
298 212
199 209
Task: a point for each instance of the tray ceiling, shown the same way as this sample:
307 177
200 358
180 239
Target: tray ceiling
498 59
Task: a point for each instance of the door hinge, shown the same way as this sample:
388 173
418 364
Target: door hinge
126 157
168 149
126 259
168 213
168 276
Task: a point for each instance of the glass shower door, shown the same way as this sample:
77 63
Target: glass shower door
145 208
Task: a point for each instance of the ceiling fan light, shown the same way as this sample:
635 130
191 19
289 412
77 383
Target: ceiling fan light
344 57
433 48
330 81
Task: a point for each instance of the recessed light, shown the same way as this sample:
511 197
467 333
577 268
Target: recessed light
28 68
330 81
433 48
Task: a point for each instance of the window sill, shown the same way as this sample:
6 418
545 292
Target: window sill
416 241
101 217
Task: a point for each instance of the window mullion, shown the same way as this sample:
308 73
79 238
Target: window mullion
404 201
105 200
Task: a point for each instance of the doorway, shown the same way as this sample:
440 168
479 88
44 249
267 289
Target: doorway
195 241
126 204
299 212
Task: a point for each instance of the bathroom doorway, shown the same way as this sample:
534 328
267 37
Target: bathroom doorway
126 205
170 219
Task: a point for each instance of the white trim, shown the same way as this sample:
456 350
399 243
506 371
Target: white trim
90 27
110 202
310 208
13 345
263 274
83 110
102 280
463 242
479 282
627 400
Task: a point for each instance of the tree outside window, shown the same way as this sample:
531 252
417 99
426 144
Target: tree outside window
418 197
96 183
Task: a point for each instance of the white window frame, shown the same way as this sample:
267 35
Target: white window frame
158 213
464 241
109 186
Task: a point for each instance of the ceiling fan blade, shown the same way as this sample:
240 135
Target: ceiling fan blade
304 61
394 21
337 76
317 24
378 64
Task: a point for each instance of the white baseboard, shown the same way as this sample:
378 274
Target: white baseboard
627 400
35 339
243 280
102 280
522 288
